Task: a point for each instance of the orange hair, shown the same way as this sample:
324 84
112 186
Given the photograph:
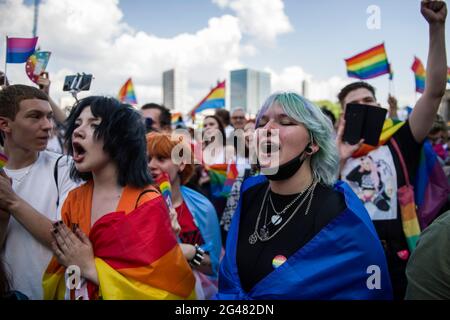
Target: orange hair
162 144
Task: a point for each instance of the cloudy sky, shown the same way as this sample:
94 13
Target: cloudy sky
292 39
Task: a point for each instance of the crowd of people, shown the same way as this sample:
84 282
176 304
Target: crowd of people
111 202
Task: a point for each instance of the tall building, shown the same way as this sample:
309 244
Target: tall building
249 89
174 89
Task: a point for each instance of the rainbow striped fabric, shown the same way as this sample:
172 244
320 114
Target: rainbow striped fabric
137 255
222 177
3 160
217 176
448 74
19 49
127 94
419 74
232 174
165 188
215 99
368 64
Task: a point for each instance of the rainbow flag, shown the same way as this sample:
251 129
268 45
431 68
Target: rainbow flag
3 160
419 74
448 74
137 256
127 94
368 64
177 120
217 177
232 174
165 188
19 49
215 99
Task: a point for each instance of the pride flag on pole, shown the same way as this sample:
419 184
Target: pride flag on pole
419 74
368 64
18 50
214 100
127 94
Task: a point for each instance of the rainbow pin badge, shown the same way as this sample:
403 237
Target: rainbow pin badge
278 261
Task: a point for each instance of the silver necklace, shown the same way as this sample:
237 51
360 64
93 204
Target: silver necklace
263 234
277 217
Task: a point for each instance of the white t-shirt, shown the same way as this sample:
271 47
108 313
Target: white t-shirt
25 258
374 180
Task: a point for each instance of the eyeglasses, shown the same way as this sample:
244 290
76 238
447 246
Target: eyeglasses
238 118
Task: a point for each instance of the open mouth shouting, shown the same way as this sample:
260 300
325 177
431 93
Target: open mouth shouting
78 152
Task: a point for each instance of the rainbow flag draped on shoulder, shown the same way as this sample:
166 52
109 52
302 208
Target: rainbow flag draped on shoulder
214 100
368 64
419 74
137 256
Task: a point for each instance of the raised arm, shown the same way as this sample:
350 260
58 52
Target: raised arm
424 112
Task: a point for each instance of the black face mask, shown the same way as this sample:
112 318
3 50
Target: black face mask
288 169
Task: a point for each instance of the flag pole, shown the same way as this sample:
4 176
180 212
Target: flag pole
6 63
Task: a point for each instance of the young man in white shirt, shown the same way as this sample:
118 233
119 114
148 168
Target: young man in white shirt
34 189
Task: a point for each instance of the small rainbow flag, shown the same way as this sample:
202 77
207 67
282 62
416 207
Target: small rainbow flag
368 64
215 99
419 74
217 176
177 120
36 64
448 74
232 174
127 94
3 160
19 49
165 188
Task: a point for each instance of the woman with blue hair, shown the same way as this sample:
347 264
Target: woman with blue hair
297 233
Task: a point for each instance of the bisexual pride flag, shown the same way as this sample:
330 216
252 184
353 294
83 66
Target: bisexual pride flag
18 50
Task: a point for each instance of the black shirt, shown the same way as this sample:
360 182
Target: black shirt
254 261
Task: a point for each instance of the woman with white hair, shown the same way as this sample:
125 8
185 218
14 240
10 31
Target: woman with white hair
297 233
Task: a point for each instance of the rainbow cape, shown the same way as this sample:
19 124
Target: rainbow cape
136 252
419 74
213 100
127 94
19 49
368 64
431 187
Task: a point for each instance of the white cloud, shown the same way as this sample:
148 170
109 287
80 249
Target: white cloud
261 19
291 78
90 36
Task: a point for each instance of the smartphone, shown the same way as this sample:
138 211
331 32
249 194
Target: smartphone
354 122
78 82
363 122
